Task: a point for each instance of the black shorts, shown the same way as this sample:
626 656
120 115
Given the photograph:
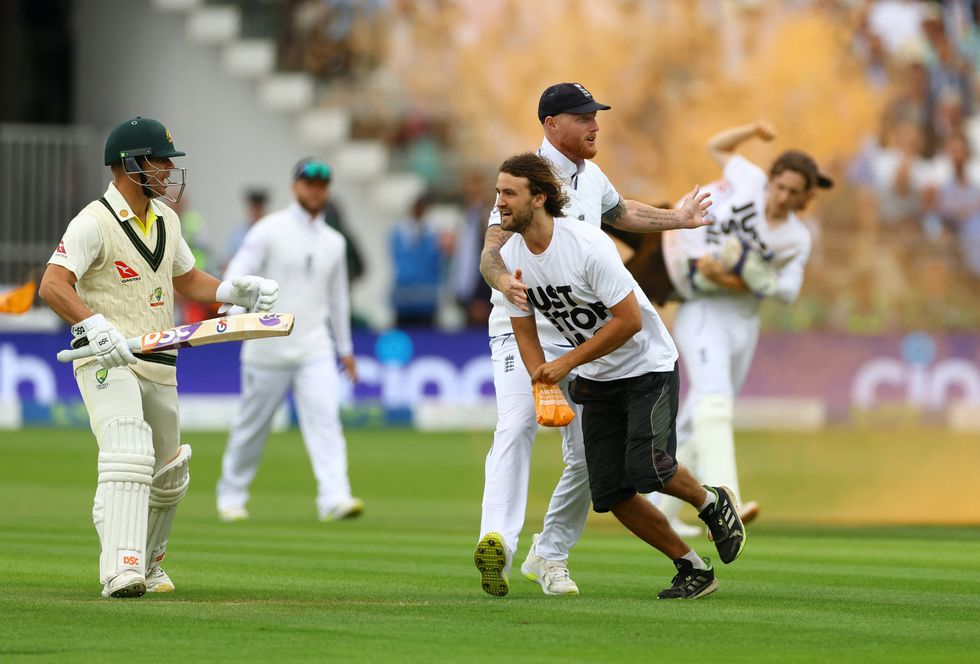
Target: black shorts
629 426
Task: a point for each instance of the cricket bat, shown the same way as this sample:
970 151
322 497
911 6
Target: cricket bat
212 331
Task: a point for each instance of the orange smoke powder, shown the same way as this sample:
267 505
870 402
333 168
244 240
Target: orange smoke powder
662 69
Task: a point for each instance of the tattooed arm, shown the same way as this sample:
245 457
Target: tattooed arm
639 217
494 271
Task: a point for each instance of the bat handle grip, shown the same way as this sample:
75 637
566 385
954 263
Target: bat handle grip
71 354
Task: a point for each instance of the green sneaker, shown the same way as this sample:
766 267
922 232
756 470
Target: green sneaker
493 559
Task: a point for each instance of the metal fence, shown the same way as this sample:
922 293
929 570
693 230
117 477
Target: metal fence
47 174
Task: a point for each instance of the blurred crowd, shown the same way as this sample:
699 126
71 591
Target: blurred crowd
916 179
896 245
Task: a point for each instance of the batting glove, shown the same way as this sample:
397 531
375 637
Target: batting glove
111 348
253 293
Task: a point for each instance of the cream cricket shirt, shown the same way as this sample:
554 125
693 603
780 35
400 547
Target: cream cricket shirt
573 284
308 259
125 271
738 210
590 194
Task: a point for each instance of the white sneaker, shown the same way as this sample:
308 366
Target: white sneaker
233 514
493 559
686 529
347 509
749 511
552 575
125 584
157 581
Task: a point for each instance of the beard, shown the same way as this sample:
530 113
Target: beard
520 220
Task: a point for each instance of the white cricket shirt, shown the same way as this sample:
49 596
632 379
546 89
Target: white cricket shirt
590 194
573 284
308 259
738 209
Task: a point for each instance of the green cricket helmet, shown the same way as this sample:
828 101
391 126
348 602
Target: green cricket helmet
140 137
134 143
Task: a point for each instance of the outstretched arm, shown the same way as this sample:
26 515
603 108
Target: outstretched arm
638 217
722 145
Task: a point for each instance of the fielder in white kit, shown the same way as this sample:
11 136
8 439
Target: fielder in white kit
310 259
567 112
113 276
755 248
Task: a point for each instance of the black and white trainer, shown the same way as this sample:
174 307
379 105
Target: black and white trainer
724 524
690 583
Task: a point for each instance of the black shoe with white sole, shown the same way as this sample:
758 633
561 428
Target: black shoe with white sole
691 583
724 524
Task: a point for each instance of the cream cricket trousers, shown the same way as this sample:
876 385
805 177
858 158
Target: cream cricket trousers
508 465
118 392
315 387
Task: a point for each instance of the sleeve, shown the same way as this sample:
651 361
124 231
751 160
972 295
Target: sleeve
610 197
183 259
80 246
494 219
250 257
605 272
789 278
692 243
338 295
740 172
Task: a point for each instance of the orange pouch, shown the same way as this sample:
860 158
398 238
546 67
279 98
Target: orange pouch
550 405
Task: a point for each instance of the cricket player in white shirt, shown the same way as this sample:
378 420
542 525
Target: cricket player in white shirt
626 364
755 248
567 112
297 246
113 276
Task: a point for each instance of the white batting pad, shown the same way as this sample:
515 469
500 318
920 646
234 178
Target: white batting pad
122 498
714 440
167 490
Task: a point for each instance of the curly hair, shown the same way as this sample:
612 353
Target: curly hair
541 179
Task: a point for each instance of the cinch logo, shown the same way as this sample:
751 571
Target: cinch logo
126 273
61 249
222 326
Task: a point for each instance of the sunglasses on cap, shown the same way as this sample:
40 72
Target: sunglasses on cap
312 170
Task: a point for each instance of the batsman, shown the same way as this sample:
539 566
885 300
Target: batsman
113 276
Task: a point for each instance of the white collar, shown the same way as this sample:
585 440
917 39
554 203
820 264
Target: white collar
567 169
300 213
121 208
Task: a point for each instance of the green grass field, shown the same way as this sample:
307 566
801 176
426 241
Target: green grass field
399 584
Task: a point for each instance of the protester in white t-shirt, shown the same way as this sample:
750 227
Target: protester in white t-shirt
627 382
756 247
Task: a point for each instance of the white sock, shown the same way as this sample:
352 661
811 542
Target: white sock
708 500
693 558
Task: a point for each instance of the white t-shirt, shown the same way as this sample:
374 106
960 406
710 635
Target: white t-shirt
738 209
573 284
308 260
590 195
